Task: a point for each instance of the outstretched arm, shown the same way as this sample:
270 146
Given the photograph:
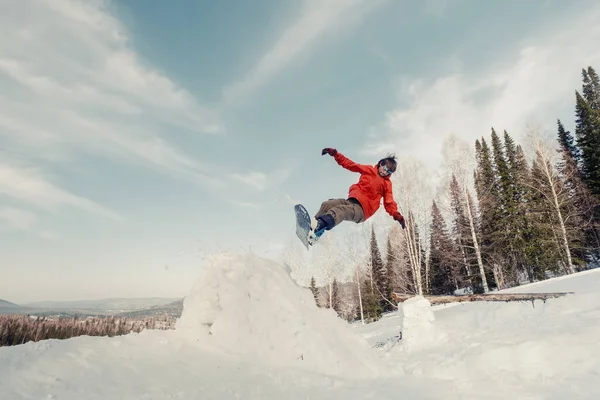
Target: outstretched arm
388 199
390 204
346 162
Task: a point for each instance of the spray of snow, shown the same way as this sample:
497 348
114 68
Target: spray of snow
250 307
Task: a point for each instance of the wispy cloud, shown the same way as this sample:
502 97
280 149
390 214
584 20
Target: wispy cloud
17 218
260 180
28 186
71 81
22 220
536 88
246 204
318 19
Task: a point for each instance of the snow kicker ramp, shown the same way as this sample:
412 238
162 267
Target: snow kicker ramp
249 306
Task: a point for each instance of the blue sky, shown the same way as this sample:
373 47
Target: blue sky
139 136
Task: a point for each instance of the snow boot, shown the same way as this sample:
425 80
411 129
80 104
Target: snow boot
315 233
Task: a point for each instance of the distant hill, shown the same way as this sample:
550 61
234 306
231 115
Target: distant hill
111 305
102 307
173 309
7 304
6 307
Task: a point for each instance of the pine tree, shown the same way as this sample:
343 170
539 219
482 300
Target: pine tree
314 290
506 236
370 299
379 272
591 87
520 233
528 233
490 220
582 200
443 256
587 132
501 166
335 297
567 145
391 266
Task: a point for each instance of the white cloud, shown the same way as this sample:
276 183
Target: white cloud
28 186
260 180
536 88
318 19
246 204
17 218
71 81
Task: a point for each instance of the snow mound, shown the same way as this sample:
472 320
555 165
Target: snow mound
249 306
417 324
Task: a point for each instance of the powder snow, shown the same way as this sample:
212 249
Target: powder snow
249 331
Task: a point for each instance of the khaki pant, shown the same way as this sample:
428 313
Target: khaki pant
340 210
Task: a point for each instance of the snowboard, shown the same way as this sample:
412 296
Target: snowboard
302 224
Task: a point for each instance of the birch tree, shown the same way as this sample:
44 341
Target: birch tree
547 182
398 265
459 162
583 199
412 189
327 258
356 258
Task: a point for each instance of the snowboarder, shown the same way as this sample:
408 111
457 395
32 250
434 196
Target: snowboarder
364 197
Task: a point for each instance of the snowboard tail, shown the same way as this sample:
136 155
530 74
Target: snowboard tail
302 224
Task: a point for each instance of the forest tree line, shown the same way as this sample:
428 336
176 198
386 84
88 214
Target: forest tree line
20 329
509 219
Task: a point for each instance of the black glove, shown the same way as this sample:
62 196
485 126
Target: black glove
330 151
398 217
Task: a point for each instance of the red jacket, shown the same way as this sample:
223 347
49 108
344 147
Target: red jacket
371 187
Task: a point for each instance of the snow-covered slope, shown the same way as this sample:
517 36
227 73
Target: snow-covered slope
247 331
545 350
250 308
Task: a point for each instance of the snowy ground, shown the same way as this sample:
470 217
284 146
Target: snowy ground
544 350
248 332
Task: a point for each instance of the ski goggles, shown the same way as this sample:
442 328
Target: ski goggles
386 169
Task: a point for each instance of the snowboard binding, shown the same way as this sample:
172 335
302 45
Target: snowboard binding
308 230
315 234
